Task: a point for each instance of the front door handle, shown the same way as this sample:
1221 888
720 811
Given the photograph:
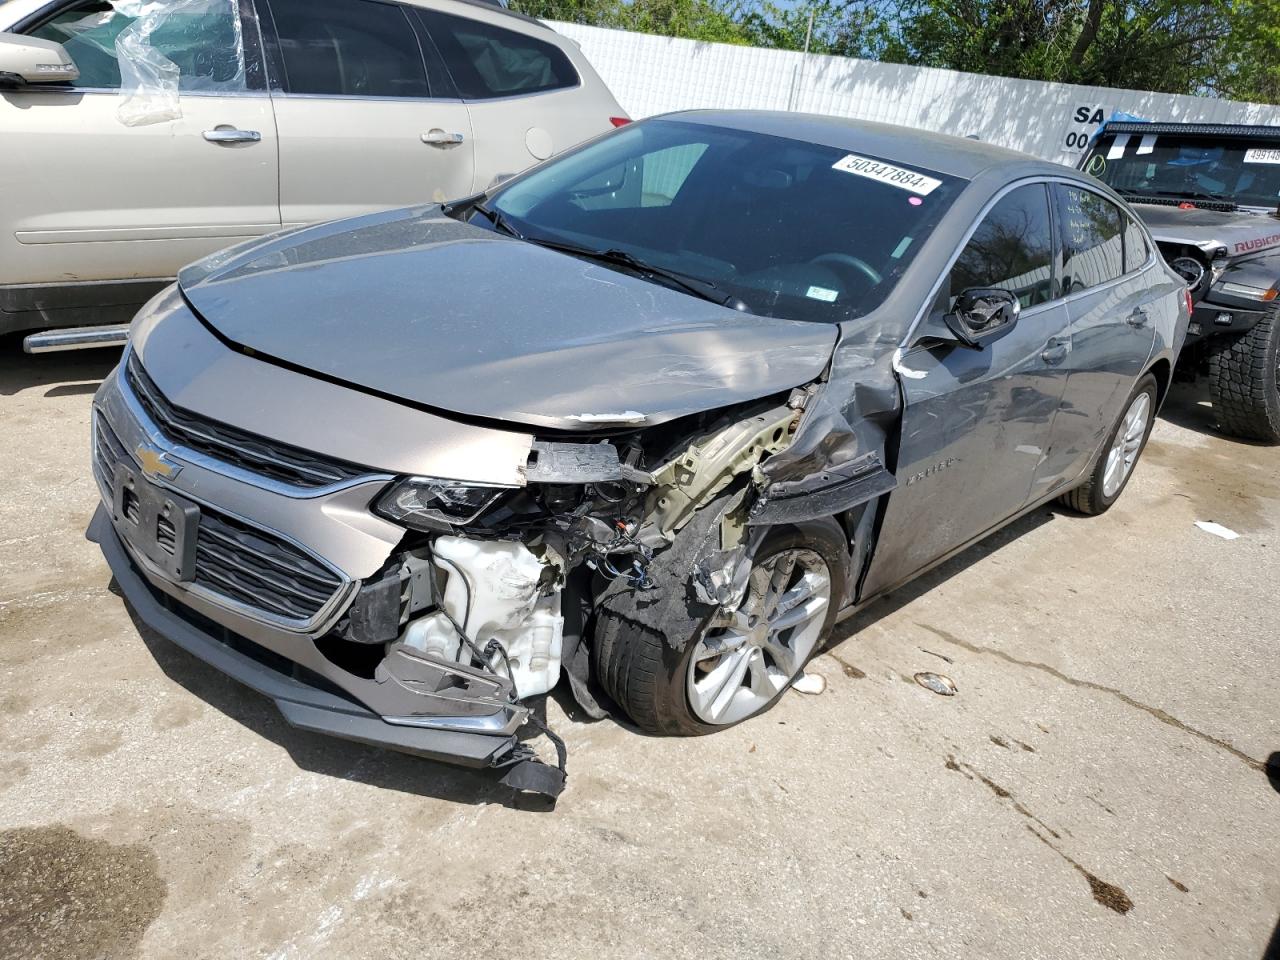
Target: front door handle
440 138
1055 351
1138 318
225 135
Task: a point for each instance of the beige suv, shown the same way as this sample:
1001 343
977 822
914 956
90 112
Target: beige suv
141 135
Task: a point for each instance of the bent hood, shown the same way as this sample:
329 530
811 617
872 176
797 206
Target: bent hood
1238 234
417 306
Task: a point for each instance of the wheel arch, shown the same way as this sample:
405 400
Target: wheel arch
1162 370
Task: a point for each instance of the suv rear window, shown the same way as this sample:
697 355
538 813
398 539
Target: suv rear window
353 48
488 61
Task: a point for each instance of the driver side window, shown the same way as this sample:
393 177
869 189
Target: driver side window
199 42
1012 249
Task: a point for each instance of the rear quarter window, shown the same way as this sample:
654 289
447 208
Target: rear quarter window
489 62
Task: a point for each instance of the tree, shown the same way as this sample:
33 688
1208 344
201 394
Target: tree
1209 47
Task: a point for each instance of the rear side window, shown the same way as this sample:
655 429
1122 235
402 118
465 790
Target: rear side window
1012 249
1135 245
488 61
350 48
1092 249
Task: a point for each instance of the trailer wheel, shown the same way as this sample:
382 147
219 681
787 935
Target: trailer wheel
1243 374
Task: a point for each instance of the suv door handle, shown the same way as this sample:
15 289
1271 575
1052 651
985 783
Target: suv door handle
223 135
1137 319
1055 351
439 138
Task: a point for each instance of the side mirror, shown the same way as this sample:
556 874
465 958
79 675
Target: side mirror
979 312
27 60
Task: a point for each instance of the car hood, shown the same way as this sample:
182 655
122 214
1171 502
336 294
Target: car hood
1237 234
414 305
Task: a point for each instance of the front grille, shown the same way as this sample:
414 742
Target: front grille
233 559
259 570
107 449
240 448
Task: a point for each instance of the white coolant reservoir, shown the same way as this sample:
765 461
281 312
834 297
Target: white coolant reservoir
492 590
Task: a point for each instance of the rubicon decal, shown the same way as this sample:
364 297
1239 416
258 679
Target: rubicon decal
1244 246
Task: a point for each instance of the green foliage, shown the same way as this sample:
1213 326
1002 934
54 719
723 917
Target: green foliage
1226 48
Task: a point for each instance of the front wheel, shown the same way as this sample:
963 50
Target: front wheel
1243 375
737 663
1128 438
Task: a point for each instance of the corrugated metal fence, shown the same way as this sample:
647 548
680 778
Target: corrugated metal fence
651 75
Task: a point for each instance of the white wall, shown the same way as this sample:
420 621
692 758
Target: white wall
651 75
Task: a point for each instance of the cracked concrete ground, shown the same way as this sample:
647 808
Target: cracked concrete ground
1095 789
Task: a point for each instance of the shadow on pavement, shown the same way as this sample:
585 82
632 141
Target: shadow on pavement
897 599
328 756
73 373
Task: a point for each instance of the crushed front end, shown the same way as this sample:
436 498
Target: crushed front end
425 602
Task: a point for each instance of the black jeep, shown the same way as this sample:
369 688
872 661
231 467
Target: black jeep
1209 192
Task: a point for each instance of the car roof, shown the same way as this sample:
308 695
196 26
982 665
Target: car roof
955 156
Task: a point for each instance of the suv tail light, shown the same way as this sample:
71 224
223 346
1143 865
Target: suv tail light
619 121
1186 292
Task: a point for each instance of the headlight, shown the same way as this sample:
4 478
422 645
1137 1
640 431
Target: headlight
1265 294
424 503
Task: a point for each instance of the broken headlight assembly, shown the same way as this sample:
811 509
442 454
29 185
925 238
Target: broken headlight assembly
428 504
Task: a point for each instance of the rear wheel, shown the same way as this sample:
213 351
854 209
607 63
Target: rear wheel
736 663
1243 375
1111 472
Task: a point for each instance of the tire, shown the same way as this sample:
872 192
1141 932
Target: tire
1243 381
1096 495
645 666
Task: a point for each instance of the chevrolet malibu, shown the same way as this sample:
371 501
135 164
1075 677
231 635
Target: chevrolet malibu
654 414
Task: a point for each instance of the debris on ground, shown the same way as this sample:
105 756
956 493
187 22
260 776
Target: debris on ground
943 686
1217 529
810 683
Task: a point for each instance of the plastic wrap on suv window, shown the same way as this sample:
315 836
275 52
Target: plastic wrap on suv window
149 80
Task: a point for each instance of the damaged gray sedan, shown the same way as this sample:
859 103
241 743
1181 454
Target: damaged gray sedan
654 415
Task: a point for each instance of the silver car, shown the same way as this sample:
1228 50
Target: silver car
653 415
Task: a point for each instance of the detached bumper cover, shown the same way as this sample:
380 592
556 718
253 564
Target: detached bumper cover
305 704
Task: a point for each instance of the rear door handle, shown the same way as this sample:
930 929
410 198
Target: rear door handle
441 138
222 135
1138 318
1055 351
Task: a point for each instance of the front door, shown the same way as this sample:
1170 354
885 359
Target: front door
367 119
138 168
976 423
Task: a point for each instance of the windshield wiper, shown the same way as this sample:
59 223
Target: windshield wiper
703 289
498 219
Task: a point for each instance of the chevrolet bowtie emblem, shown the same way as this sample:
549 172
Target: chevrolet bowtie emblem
153 462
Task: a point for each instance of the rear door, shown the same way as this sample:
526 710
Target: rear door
367 118
977 422
1114 308
162 152
527 99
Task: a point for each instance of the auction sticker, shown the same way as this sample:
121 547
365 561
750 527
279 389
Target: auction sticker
898 177
1258 155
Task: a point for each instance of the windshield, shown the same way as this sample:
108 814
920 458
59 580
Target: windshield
1206 168
780 227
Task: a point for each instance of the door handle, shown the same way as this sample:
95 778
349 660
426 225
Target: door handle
221 135
1055 351
439 138
1137 319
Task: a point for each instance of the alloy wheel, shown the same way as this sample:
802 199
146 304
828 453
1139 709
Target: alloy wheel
747 656
1127 444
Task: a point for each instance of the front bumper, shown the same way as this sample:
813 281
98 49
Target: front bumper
303 697
1214 319
286 655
